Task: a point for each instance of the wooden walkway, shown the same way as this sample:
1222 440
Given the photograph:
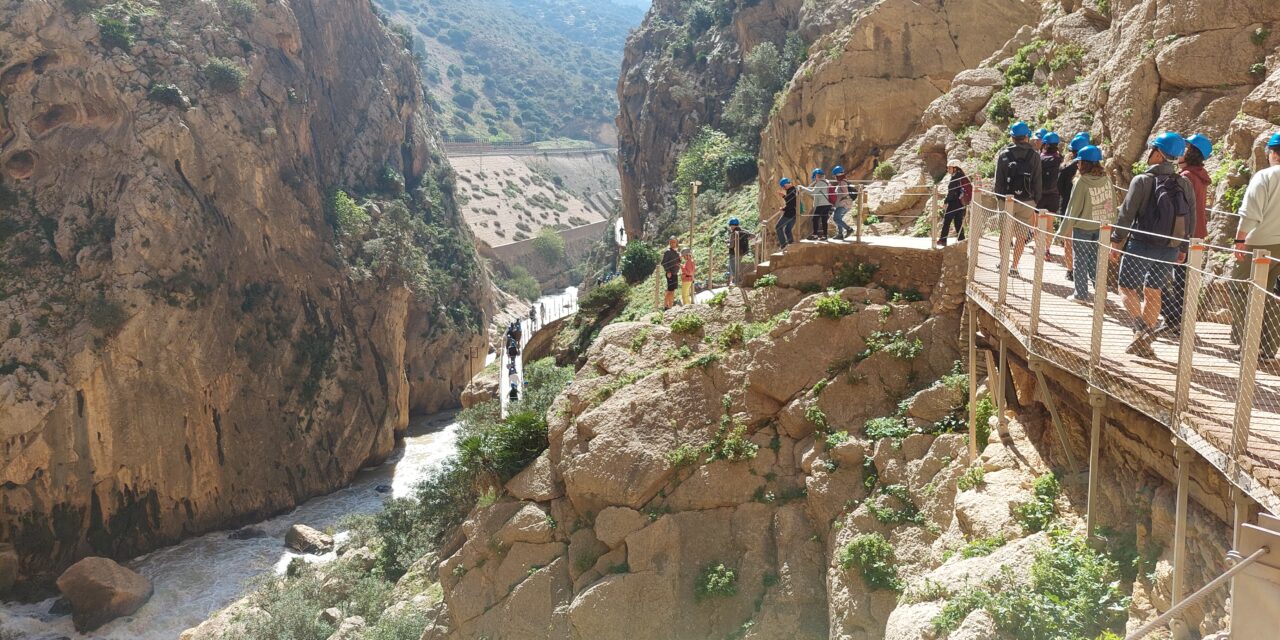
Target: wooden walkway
1147 385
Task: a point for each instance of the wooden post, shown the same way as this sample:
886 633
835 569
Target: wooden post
1037 284
1006 236
1099 304
930 209
1002 400
973 241
1182 453
862 211
1251 343
973 383
1187 345
1097 401
693 208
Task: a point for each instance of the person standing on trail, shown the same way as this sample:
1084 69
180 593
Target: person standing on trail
1156 219
687 271
533 317
1066 177
740 245
1199 148
1037 140
542 311
959 195
1092 201
1259 229
1050 198
1018 176
787 219
845 193
671 267
822 201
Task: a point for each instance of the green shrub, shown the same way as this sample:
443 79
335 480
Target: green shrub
1022 70
833 306
548 243
1258 69
106 315
732 335
347 217
716 581
1000 109
972 478
603 298
115 33
885 171
242 11
739 169
854 275
836 439
639 261
705 161
224 75
983 546
985 411
718 299
703 361
894 343
766 281
1259 36
872 555
498 453
888 427
167 94
730 444
815 415
684 455
687 323
521 283
906 511
1036 514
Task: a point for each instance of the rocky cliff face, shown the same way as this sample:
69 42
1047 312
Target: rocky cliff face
188 341
673 84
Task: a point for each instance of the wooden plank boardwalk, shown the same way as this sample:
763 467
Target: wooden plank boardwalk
1147 385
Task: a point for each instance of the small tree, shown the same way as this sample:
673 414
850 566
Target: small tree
549 245
224 75
638 262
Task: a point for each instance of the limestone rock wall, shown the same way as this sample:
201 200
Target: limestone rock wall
184 345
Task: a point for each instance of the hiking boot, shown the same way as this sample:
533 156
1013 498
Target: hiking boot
1013 272
1071 275
1141 345
1085 300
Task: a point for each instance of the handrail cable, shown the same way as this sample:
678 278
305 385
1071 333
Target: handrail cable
1203 593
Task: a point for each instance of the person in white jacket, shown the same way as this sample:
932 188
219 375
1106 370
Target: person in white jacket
1260 229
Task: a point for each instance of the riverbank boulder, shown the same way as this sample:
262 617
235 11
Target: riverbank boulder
304 539
100 590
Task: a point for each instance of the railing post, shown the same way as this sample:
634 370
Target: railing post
1006 236
1098 402
1037 284
1182 454
1002 401
1250 344
1187 344
973 383
1099 303
974 239
930 209
862 212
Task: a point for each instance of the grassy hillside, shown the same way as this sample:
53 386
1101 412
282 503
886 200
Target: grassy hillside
521 69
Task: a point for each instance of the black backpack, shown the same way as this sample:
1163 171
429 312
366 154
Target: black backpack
1050 166
1166 214
1017 172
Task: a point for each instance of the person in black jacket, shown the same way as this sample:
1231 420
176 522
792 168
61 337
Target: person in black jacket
739 245
1019 177
671 267
1066 180
787 221
957 190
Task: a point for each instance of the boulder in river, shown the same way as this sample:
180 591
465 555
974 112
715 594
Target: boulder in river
307 540
100 590
247 533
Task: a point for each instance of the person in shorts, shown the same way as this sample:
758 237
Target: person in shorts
671 268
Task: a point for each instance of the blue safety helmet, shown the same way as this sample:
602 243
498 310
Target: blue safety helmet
1081 141
1170 144
784 182
1020 130
1274 142
1203 144
1091 154
838 170
817 172
1051 138
1040 133
733 222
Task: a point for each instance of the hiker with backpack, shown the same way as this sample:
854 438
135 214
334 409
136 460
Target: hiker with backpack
1066 179
1155 221
1092 201
739 245
1019 176
671 268
1259 229
845 192
959 195
1199 148
1050 198
787 219
822 203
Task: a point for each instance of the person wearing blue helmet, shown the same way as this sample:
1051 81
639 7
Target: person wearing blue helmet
1066 181
845 193
1092 201
1037 140
787 214
1155 222
823 200
1050 198
740 245
1191 164
1260 229
1019 177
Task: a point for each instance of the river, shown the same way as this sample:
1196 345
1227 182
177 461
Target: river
197 577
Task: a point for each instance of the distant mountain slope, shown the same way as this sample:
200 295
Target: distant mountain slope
521 69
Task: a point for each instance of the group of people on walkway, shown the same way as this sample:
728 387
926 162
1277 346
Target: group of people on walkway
832 200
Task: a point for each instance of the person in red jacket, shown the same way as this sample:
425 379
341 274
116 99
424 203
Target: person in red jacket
1191 166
